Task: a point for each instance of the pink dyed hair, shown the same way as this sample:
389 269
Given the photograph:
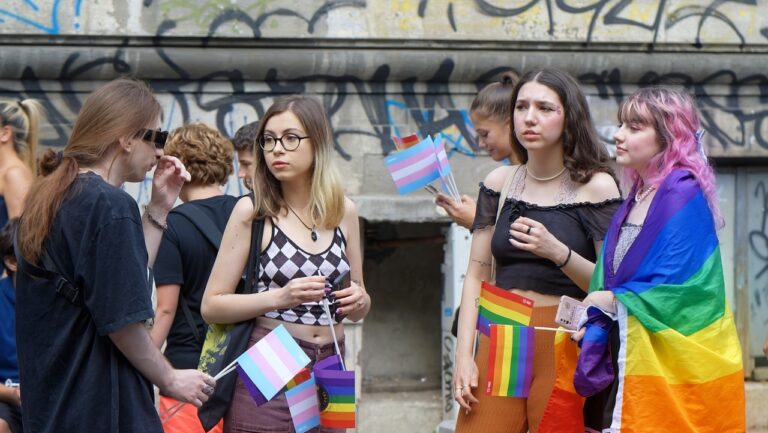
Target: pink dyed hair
674 116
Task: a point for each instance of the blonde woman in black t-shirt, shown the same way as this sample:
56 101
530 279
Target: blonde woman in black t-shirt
552 222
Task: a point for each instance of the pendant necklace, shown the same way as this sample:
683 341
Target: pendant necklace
313 232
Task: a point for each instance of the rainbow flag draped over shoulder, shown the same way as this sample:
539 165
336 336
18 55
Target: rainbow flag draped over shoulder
501 307
564 410
680 365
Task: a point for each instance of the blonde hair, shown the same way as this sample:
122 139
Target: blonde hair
326 201
24 118
120 108
206 153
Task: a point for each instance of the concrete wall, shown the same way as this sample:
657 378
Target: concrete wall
396 67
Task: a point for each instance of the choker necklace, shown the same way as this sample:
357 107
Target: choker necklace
313 232
641 194
544 179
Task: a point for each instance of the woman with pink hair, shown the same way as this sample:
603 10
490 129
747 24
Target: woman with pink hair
659 350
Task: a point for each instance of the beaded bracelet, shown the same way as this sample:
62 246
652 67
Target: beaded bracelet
567 259
153 221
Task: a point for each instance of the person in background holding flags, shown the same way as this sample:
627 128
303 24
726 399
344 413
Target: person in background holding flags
86 359
311 236
491 116
186 255
674 357
556 208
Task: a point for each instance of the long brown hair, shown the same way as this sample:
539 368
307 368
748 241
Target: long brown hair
326 202
583 153
24 118
120 108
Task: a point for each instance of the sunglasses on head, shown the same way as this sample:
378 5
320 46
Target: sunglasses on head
155 136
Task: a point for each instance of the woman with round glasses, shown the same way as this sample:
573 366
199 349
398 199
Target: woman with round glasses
311 237
86 359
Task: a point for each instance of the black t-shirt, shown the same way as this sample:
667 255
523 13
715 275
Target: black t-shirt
577 225
186 258
74 379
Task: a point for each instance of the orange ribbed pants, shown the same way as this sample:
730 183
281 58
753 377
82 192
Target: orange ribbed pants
510 414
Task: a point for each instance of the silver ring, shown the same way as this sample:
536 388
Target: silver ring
529 230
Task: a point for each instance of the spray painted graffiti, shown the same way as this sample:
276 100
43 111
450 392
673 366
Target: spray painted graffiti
726 20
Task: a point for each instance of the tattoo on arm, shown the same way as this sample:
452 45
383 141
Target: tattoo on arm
481 262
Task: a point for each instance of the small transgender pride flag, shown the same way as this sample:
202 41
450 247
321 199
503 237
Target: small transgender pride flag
303 405
414 167
270 364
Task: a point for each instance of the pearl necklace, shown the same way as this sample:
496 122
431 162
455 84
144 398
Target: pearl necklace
641 194
313 232
544 179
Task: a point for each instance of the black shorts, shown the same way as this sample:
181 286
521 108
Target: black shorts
12 415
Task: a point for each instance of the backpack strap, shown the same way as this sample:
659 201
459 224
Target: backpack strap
202 222
207 227
64 287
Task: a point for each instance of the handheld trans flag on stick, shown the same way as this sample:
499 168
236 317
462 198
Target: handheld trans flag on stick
414 167
303 405
498 306
417 163
270 364
510 361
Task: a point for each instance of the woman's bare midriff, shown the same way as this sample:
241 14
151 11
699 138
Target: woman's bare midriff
310 333
539 300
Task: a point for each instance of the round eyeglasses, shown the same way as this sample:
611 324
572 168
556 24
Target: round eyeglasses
289 142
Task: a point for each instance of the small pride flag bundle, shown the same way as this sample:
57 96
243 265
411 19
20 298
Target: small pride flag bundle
336 389
415 166
510 361
270 364
498 306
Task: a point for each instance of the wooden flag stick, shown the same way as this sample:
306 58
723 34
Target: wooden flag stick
545 328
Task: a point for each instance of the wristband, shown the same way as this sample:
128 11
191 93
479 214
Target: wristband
153 221
567 259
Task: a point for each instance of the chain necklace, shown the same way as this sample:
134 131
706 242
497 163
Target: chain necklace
544 179
642 193
313 232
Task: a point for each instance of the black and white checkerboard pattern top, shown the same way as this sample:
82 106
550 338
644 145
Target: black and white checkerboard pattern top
283 261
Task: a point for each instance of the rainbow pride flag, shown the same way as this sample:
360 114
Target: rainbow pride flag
336 391
680 365
405 142
564 410
270 364
510 361
498 306
303 405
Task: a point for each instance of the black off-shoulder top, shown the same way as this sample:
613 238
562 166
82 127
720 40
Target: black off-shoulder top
577 225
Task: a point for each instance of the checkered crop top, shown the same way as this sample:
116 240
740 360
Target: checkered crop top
283 261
